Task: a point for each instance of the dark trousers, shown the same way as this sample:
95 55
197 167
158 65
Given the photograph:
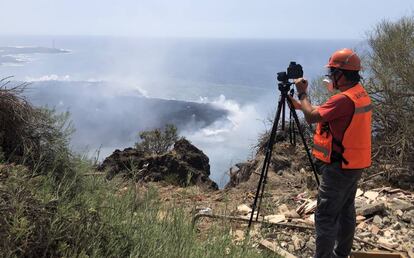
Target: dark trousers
335 212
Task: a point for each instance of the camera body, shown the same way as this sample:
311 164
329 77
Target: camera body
294 71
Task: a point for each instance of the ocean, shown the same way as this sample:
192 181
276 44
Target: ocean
218 92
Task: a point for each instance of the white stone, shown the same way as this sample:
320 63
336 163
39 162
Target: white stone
206 211
372 195
387 234
377 220
387 242
310 220
244 209
275 218
359 192
283 209
360 218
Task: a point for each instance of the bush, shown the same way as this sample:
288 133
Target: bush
318 92
157 141
391 85
284 135
35 137
2 158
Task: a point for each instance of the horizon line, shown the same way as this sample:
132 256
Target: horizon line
176 37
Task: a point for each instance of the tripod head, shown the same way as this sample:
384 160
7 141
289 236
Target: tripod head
284 87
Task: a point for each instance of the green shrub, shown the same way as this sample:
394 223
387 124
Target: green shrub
35 137
318 92
157 141
390 81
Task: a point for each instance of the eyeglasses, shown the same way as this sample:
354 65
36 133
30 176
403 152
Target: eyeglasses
330 72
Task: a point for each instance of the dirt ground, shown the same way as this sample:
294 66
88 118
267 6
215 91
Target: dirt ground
385 214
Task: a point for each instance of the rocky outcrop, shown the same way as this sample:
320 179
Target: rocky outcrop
285 158
240 173
184 165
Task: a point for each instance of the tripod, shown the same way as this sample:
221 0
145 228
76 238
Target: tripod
284 88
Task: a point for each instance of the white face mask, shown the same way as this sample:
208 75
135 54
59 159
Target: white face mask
328 84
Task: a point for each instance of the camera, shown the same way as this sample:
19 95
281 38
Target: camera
294 71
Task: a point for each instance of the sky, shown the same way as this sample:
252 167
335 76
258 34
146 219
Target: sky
320 19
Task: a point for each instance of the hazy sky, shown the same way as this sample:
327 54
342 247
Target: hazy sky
198 18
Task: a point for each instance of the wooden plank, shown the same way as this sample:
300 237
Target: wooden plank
282 224
376 255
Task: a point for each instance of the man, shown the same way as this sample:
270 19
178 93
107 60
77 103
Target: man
342 147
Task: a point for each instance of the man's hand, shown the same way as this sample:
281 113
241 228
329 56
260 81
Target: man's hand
301 85
311 113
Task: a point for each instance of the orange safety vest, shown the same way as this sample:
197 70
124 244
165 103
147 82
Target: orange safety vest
356 143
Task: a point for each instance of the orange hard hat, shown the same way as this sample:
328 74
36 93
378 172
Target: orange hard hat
345 59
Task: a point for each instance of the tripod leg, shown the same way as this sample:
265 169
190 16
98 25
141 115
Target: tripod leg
283 116
294 131
263 185
266 162
292 137
283 99
290 129
295 116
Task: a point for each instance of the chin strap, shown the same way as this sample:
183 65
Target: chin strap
335 81
336 84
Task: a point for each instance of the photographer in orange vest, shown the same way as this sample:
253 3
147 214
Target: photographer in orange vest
342 148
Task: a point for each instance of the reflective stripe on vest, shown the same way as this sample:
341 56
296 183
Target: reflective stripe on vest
363 109
322 149
357 137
